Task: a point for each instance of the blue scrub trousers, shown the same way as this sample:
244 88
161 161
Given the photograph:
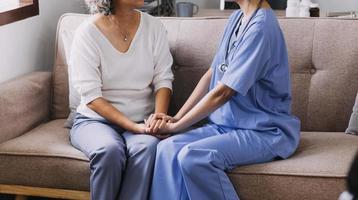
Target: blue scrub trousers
192 165
121 163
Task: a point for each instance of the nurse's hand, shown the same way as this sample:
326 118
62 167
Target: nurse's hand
154 130
156 121
156 126
168 128
153 118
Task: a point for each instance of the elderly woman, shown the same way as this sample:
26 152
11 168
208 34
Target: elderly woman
121 66
247 96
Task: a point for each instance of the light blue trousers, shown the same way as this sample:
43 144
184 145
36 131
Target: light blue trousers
121 163
192 165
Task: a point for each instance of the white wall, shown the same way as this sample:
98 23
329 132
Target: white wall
28 45
326 5
204 3
338 5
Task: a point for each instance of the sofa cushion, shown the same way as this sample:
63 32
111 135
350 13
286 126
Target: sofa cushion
65 32
19 98
44 157
334 84
353 122
323 64
316 171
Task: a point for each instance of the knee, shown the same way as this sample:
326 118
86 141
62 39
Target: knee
147 146
110 156
166 146
186 158
192 159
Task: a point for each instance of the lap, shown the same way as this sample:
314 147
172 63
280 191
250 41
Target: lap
91 135
132 139
139 142
192 135
234 148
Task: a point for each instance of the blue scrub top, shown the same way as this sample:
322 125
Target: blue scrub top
258 70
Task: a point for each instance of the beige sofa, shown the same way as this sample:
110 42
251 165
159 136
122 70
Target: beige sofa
36 157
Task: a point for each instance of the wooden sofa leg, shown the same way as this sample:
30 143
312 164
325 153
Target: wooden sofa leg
20 197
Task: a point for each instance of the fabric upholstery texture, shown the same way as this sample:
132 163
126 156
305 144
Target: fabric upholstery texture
316 171
324 85
273 187
334 84
322 96
320 159
24 104
44 157
353 122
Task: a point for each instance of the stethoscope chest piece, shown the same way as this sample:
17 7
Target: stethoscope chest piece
223 67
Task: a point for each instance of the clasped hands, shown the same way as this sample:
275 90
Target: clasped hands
160 125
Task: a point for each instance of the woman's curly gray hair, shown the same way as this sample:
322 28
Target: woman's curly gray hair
100 6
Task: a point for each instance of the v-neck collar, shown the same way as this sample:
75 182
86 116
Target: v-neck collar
132 42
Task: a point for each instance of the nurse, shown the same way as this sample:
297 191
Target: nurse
247 98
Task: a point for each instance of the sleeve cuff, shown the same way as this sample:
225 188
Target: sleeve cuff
91 96
163 84
239 89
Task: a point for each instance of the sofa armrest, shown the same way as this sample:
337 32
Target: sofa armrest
24 104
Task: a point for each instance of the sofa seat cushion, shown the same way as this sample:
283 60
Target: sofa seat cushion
316 171
44 157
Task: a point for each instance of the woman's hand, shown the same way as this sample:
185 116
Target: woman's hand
140 129
156 121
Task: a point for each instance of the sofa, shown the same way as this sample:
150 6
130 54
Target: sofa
37 159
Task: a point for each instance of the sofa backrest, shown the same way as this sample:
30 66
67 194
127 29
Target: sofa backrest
323 55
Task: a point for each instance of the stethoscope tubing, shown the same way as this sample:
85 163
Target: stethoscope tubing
223 67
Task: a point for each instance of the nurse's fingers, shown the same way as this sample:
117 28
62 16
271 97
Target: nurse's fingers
163 123
146 123
149 120
156 126
152 125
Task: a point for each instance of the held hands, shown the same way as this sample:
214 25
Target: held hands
160 125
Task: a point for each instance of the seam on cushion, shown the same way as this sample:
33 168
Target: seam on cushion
193 18
323 175
220 17
42 155
176 44
307 121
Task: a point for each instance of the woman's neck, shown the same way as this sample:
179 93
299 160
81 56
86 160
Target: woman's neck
122 13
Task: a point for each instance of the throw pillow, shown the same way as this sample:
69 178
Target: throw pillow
353 122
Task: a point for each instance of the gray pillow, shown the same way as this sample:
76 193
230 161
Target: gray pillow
74 99
70 119
353 122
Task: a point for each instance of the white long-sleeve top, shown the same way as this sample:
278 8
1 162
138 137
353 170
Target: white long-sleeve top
126 80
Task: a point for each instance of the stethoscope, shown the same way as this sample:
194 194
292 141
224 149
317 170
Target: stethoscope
224 66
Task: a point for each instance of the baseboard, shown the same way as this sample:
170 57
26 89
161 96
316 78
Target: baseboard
44 192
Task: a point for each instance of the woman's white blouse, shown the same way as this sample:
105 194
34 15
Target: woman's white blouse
127 80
